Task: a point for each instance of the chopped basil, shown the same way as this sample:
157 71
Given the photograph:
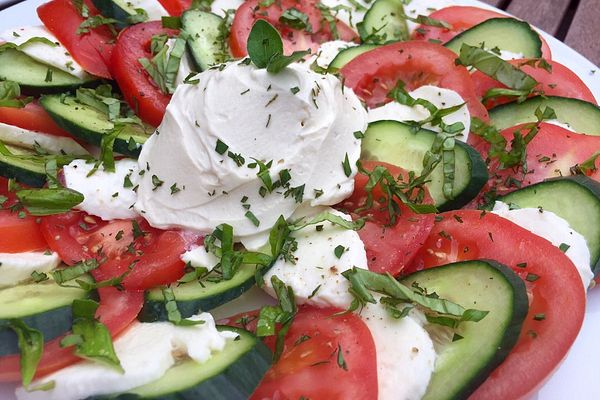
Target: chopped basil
250 215
49 201
296 19
327 216
31 346
564 247
171 22
265 48
428 21
39 277
341 362
346 166
91 338
359 135
173 314
163 67
295 90
96 21
539 317
587 167
339 251
314 292
297 193
48 75
63 275
156 182
221 147
10 95
532 277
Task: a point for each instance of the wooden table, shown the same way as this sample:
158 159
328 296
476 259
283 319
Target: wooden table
572 21
575 22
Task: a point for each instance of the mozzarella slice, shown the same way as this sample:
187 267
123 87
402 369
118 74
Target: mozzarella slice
439 97
146 351
405 353
18 267
16 136
199 257
328 52
316 277
104 193
153 8
55 56
220 6
554 229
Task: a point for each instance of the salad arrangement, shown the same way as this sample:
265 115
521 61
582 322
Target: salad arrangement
410 195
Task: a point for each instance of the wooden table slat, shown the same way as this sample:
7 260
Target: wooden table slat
583 33
545 14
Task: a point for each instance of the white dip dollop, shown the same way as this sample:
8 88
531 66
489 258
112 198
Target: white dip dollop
200 165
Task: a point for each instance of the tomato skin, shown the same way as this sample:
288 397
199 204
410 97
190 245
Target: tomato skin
32 117
118 309
389 248
558 293
375 73
560 82
92 50
175 7
142 95
462 18
296 375
250 11
18 235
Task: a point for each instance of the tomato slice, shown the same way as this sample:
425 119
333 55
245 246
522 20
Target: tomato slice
20 234
293 39
375 73
462 18
551 153
152 255
554 286
92 50
175 7
308 367
32 117
560 81
138 89
118 309
389 248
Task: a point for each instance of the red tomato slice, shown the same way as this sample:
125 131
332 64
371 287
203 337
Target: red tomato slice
154 256
32 117
551 153
375 73
558 293
462 18
138 89
560 82
91 50
293 39
308 365
117 311
175 7
18 235
389 248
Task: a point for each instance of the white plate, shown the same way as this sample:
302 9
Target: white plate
577 377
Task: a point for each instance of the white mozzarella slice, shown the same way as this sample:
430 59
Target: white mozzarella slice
439 97
153 8
405 353
104 193
55 56
146 351
17 267
554 229
199 257
564 125
16 136
316 277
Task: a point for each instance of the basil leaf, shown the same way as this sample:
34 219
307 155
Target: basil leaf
10 95
91 338
327 216
61 276
296 19
31 347
49 201
280 62
496 68
264 43
428 21
171 22
96 21
173 314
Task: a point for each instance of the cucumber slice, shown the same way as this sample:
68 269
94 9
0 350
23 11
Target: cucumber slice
35 77
90 125
233 373
349 54
384 21
464 364
503 33
394 142
44 306
192 297
122 11
582 116
207 43
576 199
23 165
